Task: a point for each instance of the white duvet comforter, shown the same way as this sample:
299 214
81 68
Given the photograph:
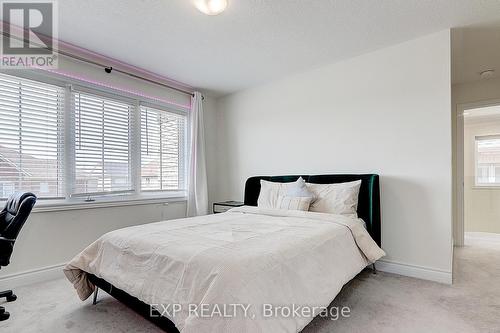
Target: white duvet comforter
248 258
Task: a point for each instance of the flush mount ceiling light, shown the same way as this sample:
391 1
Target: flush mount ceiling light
211 7
487 74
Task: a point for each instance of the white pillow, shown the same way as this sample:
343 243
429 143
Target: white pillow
299 189
339 198
294 203
270 191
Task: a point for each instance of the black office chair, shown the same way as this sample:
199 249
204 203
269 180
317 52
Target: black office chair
12 218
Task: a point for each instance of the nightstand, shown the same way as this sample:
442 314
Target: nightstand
221 207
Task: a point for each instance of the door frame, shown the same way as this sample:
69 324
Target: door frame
459 226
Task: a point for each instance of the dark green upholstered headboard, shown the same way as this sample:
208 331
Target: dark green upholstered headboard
368 202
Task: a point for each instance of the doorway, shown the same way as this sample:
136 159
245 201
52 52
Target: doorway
479 171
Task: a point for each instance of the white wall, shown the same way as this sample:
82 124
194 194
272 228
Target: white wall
386 112
211 128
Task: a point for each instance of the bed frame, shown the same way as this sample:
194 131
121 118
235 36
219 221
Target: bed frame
368 210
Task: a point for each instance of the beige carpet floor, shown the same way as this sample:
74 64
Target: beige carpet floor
378 303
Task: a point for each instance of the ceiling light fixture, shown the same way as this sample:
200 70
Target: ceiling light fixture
487 74
211 7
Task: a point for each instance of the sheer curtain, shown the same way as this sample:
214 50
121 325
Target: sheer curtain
197 203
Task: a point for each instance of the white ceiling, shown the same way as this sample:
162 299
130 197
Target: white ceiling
254 41
476 48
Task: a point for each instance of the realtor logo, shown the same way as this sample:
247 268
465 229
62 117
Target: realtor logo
29 34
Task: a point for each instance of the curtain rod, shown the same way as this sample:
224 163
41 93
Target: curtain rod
108 69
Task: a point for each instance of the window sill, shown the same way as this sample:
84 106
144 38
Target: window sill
65 205
486 187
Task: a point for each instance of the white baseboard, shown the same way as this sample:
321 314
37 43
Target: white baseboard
32 276
483 236
419 272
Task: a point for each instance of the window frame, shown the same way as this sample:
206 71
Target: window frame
185 146
73 143
478 185
134 197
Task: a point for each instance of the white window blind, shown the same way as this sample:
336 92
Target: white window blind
31 123
487 158
59 141
163 146
102 154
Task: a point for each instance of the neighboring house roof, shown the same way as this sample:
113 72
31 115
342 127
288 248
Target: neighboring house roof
150 169
32 166
12 158
28 165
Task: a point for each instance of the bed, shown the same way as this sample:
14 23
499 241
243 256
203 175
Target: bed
218 273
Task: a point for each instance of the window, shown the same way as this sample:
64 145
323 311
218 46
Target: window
102 139
487 158
30 137
162 150
59 141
